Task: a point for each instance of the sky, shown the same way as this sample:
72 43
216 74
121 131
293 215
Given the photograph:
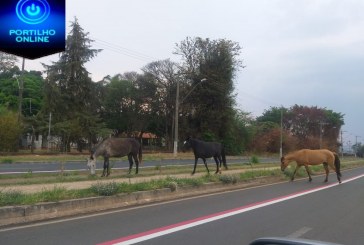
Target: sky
304 52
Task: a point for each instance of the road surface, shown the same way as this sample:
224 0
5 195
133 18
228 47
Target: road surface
49 167
321 211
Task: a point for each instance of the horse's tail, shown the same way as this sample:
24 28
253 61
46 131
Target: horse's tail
337 164
223 156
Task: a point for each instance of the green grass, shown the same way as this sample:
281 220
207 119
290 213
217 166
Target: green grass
110 188
6 160
101 189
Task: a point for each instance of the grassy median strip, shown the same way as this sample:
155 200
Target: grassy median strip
30 178
10 197
109 188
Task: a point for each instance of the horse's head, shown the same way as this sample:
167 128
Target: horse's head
186 144
284 163
91 164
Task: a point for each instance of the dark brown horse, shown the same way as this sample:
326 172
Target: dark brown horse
203 150
116 147
307 157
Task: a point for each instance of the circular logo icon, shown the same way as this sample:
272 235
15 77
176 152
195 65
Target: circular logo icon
32 11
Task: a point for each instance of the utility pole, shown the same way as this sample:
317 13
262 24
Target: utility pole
175 143
49 130
281 143
356 143
21 88
178 102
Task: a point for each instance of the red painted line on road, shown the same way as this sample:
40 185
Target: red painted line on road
143 236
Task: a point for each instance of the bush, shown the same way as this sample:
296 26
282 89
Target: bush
228 179
105 189
173 186
254 159
10 131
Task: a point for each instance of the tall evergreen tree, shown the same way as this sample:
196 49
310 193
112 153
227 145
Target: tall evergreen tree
69 90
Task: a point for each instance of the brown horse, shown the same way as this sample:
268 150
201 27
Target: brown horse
307 157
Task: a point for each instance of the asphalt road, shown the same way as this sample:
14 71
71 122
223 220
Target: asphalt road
290 209
45 167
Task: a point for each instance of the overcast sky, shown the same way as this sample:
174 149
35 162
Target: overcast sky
305 52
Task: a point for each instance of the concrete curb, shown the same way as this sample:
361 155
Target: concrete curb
13 215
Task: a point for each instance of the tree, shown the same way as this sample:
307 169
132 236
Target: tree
306 127
163 76
358 149
120 105
210 109
10 129
7 61
69 90
9 90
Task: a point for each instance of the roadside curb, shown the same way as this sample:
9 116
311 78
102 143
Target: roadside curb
12 215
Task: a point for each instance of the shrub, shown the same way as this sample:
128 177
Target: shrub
105 189
172 185
10 129
228 179
254 159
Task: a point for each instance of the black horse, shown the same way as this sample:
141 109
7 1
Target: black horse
204 150
116 147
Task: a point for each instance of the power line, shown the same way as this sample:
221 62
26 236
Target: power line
124 51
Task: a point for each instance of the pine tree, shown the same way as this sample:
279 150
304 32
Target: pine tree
69 90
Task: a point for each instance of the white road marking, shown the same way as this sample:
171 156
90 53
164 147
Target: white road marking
147 235
300 232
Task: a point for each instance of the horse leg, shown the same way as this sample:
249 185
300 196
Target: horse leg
295 171
108 167
326 170
218 165
204 162
130 163
194 168
222 162
105 166
136 163
308 173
